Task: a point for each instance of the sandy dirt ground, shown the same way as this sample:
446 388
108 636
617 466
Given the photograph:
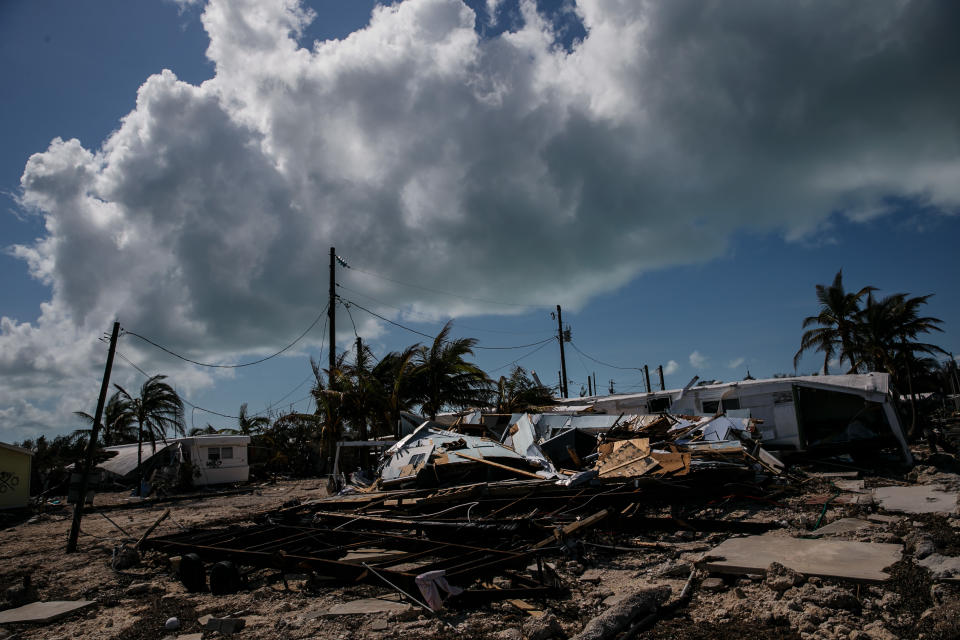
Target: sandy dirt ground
137 601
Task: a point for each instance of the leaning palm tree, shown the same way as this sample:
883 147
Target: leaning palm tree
118 425
445 378
835 325
156 410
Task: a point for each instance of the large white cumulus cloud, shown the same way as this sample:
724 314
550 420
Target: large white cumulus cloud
417 147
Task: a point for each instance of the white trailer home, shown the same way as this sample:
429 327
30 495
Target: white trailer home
216 459
809 413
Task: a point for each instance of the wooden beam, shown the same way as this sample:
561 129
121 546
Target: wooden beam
496 464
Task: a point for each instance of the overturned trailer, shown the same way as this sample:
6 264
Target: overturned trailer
823 414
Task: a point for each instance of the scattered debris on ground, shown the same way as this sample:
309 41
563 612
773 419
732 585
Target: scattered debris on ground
651 526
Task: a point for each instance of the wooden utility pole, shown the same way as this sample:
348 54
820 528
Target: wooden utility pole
332 313
663 387
596 389
563 360
589 386
92 444
365 451
646 376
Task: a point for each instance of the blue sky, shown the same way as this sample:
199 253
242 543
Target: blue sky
679 211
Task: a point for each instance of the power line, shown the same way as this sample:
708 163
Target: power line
263 411
601 362
231 366
527 355
430 319
185 401
427 335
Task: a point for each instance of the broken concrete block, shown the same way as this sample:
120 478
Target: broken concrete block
591 575
542 628
142 588
226 626
713 584
621 615
941 567
780 578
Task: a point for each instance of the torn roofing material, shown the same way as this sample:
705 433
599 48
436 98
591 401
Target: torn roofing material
433 449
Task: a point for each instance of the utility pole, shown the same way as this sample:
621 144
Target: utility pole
596 389
589 386
332 313
646 375
663 387
92 444
611 386
563 360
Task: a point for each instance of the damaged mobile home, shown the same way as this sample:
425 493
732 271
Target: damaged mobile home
827 414
214 459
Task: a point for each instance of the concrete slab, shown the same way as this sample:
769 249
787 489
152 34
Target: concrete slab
843 525
40 612
365 606
882 519
942 567
855 486
825 558
916 499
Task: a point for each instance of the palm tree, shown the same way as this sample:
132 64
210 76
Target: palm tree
118 425
520 393
157 409
445 378
835 324
250 425
394 374
887 335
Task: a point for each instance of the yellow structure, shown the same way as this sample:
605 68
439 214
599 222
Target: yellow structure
14 476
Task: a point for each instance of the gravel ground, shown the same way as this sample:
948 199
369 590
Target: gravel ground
136 602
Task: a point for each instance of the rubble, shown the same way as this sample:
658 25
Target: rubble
558 538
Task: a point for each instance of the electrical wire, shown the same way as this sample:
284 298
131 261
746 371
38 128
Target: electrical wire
526 355
426 318
185 401
601 362
231 366
427 335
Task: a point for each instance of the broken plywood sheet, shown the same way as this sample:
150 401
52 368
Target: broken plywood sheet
675 463
826 558
625 458
916 499
41 612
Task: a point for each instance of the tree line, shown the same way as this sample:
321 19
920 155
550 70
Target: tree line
361 393
856 331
